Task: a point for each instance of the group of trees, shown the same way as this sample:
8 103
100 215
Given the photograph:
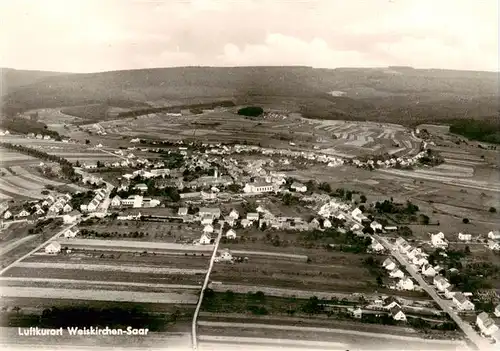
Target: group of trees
336 240
251 111
388 206
481 130
432 158
66 167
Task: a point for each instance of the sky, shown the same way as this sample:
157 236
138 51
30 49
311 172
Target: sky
104 35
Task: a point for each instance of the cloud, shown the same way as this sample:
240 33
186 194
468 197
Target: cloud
93 35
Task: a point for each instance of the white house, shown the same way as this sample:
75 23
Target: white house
245 223
253 216
493 245
400 242
208 229
448 292
141 187
116 201
376 225
205 239
358 215
486 324
462 303
397 273
389 264
7 215
441 282
258 188
376 246
397 314
71 233
464 237
355 227
206 220
225 256
231 234
420 261
299 187
23 213
406 284
234 214
497 311
428 271
183 211
327 223
212 212
438 240
494 235
356 312
391 305
53 248
67 208
71 217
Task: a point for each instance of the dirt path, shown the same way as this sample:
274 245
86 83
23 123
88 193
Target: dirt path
13 244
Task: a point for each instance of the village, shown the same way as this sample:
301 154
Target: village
215 192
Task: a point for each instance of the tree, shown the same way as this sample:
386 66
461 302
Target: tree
465 221
362 198
380 282
87 141
493 210
467 250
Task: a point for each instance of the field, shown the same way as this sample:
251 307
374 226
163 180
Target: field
334 137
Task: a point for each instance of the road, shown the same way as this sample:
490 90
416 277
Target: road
39 247
204 287
480 343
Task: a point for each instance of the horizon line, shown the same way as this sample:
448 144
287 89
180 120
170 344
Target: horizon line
252 66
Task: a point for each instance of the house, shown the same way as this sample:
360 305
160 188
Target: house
71 233
400 242
355 227
420 260
376 246
389 264
486 324
141 187
391 302
438 241
493 245
464 237
253 216
183 211
357 313
205 239
327 223
53 248
116 201
225 256
428 271
494 235
376 225
299 187
406 284
231 234
245 223
207 220
67 208
397 314
258 188
358 215
441 282
314 223
40 212
497 311
448 292
391 228
7 215
23 213
397 273
208 229
71 217
148 202
405 248
93 205
462 303
212 212
234 214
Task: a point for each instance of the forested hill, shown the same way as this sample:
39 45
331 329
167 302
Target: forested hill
379 93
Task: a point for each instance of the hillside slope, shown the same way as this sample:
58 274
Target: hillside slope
12 79
367 93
